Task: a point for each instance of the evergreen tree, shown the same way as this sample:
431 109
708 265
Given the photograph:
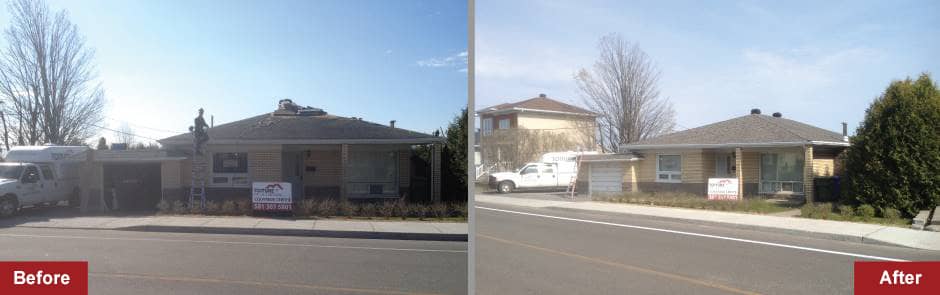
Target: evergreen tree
454 155
894 160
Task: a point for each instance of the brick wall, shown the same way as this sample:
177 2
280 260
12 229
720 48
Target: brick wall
264 166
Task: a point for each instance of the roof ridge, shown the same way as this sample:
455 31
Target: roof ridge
771 120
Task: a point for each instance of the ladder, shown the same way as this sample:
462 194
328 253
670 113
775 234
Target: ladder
573 184
199 167
197 192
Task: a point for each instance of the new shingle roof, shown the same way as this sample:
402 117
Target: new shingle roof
269 127
749 129
540 103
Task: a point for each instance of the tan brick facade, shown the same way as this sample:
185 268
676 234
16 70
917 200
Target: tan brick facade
264 166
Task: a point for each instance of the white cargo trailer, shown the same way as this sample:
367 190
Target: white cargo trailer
40 175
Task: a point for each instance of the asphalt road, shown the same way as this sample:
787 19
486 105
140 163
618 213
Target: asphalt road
175 263
525 254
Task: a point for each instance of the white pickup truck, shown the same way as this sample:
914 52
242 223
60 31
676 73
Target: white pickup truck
39 175
534 175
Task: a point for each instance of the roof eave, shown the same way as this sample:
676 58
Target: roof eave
521 110
428 140
732 145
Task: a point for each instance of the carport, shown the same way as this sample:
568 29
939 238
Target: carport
136 179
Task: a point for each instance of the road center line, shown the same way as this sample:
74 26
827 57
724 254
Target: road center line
623 266
251 283
697 235
233 243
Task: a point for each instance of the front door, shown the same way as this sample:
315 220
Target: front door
293 172
724 165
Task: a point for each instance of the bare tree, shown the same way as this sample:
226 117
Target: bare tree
124 134
622 89
47 78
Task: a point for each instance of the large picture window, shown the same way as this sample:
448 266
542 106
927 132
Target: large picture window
668 168
781 172
372 173
230 163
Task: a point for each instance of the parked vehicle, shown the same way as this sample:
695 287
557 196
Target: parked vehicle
40 175
555 171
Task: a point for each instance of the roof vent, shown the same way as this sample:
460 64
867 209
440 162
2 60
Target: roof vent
310 111
542 95
755 111
778 115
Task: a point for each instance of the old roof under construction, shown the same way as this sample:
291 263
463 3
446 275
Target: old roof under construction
303 126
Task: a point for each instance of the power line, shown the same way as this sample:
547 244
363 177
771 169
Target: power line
146 127
125 133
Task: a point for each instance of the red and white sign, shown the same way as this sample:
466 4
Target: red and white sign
916 277
44 277
722 188
271 196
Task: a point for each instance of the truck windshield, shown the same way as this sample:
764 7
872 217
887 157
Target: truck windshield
11 172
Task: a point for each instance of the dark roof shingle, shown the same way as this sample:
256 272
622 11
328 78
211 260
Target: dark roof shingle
295 127
748 129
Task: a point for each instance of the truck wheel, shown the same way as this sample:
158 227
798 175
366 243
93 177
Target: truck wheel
8 205
505 187
74 199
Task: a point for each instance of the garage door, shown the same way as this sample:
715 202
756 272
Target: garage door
606 177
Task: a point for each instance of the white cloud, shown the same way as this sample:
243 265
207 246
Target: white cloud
451 61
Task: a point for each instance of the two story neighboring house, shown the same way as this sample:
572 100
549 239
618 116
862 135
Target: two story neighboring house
512 134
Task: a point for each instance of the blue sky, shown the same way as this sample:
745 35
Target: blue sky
159 61
819 62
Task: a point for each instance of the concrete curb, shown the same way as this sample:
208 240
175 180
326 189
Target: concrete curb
828 236
300 232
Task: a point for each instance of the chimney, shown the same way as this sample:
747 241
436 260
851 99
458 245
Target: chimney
755 111
542 95
391 123
778 115
845 131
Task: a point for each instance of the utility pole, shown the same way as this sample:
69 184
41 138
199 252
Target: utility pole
6 141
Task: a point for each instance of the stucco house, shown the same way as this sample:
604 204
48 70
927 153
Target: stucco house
518 132
769 155
320 154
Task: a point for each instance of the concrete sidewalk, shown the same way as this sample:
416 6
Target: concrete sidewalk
837 230
411 230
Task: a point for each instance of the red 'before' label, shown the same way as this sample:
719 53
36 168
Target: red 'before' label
44 277
917 277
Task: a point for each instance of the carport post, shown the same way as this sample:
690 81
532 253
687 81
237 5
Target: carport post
739 171
344 157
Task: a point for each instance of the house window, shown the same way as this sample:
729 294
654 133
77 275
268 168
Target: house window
372 173
668 168
230 163
504 124
229 170
487 126
781 172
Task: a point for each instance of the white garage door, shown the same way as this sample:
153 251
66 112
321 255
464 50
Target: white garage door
606 177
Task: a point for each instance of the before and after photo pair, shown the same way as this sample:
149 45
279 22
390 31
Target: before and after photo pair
469 147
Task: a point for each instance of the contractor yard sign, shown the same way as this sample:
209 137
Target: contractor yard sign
271 196
722 188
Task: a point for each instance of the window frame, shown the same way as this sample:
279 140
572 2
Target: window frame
671 174
796 187
229 176
487 126
500 124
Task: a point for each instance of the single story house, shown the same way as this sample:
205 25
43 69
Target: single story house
768 155
320 154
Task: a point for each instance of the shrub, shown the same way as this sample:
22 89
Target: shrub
346 209
327 208
386 210
163 206
179 207
309 207
823 210
891 214
892 161
808 210
846 212
244 207
866 212
229 208
438 210
213 207
367 210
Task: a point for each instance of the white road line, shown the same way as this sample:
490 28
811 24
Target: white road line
698 235
232 243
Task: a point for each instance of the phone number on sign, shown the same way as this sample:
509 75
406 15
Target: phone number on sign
267 206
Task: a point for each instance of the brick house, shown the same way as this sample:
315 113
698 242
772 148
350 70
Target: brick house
519 132
320 154
769 155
